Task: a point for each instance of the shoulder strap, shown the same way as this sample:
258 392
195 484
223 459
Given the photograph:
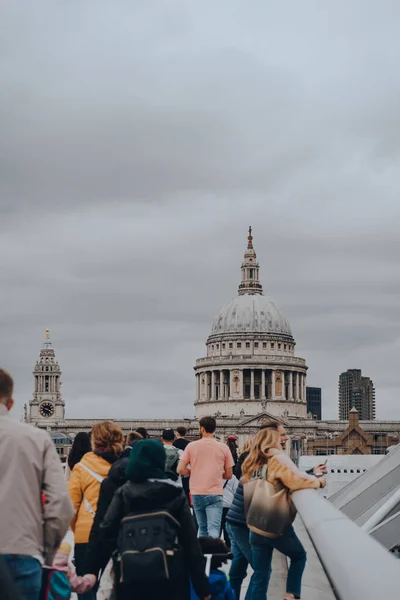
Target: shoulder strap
264 472
96 476
226 483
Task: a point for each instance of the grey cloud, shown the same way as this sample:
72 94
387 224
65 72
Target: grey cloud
137 146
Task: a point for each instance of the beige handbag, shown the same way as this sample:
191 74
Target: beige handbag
269 508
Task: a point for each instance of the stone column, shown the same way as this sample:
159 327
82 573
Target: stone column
283 375
206 376
212 385
297 386
273 384
262 395
290 385
221 384
251 384
305 388
198 390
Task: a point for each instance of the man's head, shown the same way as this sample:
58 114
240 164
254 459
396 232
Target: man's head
6 389
207 426
133 437
181 432
280 429
168 436
143 433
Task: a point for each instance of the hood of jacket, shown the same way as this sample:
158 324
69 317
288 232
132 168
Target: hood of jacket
153 494
96 463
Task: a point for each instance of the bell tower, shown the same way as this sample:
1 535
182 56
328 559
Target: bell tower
47 406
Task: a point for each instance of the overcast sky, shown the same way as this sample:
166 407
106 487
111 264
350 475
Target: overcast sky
138 140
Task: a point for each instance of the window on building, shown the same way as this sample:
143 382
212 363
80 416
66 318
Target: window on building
272 345
255 344
247 344
264 344
279 346
230 345
212 348
239 344
223 346
247 391
217 346
284 346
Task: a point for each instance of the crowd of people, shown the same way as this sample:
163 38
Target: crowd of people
147 515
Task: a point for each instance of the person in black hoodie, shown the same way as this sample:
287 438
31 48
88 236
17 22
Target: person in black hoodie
96 556
149 490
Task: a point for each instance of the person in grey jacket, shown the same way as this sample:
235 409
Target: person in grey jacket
35 509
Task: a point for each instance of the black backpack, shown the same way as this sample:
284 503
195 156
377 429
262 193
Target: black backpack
149 548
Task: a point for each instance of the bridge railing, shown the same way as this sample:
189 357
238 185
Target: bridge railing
357 566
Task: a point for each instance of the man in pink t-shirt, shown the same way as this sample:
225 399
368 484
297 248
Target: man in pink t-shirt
210 463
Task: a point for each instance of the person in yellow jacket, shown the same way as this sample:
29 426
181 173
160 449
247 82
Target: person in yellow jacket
84 487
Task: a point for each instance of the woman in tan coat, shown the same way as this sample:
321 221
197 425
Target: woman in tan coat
267 456
84 486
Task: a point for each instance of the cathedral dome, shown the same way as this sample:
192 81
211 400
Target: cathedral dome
251 313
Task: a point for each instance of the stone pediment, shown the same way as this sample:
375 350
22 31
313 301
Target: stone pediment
259 420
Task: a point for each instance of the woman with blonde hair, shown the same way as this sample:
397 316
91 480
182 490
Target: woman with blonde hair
84 486
267 460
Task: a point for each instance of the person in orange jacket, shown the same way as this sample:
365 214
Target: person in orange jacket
84 487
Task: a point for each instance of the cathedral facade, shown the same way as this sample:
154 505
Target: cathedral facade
250 373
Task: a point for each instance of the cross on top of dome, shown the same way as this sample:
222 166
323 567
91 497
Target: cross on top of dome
250 283
47 341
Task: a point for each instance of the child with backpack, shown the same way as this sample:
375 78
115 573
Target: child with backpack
60 580
149 530
218 554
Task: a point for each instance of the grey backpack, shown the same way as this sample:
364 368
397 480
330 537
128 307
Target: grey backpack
171 463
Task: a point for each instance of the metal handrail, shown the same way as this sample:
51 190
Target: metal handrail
382 512
357 566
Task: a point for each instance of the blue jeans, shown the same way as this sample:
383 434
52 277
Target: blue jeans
26 572
262 549
241 550
208 511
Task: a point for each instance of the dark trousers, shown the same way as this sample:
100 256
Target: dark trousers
223 527
80 557
262 549
242 558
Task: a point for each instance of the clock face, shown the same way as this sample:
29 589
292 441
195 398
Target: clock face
46 409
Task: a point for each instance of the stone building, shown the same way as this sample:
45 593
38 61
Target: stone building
353 440
251 364
250 373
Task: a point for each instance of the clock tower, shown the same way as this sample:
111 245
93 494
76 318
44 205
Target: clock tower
47 407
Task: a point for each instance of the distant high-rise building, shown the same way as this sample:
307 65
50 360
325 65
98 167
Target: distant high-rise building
356 391
313 395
